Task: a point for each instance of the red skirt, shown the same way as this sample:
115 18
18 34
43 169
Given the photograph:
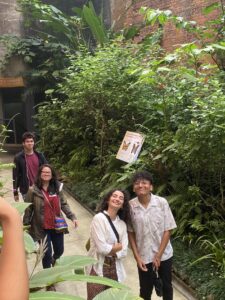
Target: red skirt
109 271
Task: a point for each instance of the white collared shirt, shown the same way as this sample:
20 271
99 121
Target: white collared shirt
102 239
149 225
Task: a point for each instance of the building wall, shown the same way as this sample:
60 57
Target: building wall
188 9
10 20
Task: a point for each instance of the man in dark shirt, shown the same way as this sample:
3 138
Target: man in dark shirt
26 166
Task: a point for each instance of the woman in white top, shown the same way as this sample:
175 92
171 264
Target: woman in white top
105 246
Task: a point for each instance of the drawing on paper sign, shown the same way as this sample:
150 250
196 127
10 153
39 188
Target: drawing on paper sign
125 145
130 147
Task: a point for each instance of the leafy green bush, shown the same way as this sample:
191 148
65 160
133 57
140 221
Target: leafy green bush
177 100
205 277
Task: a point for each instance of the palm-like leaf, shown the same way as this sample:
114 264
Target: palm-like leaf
115 294
52 296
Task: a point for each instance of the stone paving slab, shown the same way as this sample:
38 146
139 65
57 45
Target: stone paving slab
75 242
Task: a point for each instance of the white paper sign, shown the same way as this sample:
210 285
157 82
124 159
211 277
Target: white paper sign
130 147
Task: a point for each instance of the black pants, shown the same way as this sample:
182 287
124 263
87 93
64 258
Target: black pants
57 241
146 280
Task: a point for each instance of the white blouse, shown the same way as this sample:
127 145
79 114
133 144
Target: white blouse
102 239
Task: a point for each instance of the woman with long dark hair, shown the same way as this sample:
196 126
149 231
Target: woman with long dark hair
47 202
108 239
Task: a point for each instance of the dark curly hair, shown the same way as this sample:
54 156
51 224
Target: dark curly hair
53 183
28 135
124 212
140 175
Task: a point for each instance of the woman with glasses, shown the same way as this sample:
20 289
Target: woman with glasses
47 202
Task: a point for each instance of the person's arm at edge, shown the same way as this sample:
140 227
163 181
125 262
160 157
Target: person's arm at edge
13 267
132 240
15 179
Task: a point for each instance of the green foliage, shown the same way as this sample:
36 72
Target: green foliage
94 22
49 22
204 277
51 36
53 296
177 100
115 294
95 115
69 268
215 249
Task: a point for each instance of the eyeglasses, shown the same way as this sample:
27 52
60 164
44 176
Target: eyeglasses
47 173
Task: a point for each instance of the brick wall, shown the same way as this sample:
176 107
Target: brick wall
188 9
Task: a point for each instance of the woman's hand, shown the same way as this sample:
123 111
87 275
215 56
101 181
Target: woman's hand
75 223
116 247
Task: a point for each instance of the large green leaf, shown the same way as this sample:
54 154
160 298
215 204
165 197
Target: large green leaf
21 206
59 274
29 243
115 294
94 23
52 296
75 261
95 279
49 276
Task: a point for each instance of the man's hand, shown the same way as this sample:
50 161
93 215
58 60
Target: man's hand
16 198
141 265
156 261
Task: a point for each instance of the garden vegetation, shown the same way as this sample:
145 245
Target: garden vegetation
176 100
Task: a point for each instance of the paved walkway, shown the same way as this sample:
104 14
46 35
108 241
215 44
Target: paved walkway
75 241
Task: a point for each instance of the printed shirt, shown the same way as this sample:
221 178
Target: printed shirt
102 239
149 225
51 209
32 163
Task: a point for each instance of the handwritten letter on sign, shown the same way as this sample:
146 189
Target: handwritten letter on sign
130 147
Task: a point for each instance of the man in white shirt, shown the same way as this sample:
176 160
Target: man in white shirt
149 236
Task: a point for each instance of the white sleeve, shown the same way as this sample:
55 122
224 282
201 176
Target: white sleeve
124 240
99 235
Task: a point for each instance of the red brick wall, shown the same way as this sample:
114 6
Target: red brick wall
188 9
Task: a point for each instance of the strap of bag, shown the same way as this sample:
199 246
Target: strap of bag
49 202
113 227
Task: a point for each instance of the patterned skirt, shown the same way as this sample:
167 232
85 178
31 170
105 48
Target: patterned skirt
109 271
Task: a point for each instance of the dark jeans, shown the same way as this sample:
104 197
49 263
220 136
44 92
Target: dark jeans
57 241
146 280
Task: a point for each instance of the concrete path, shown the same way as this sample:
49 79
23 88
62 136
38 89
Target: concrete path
76 239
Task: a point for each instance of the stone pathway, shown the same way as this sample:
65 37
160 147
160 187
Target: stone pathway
76 239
